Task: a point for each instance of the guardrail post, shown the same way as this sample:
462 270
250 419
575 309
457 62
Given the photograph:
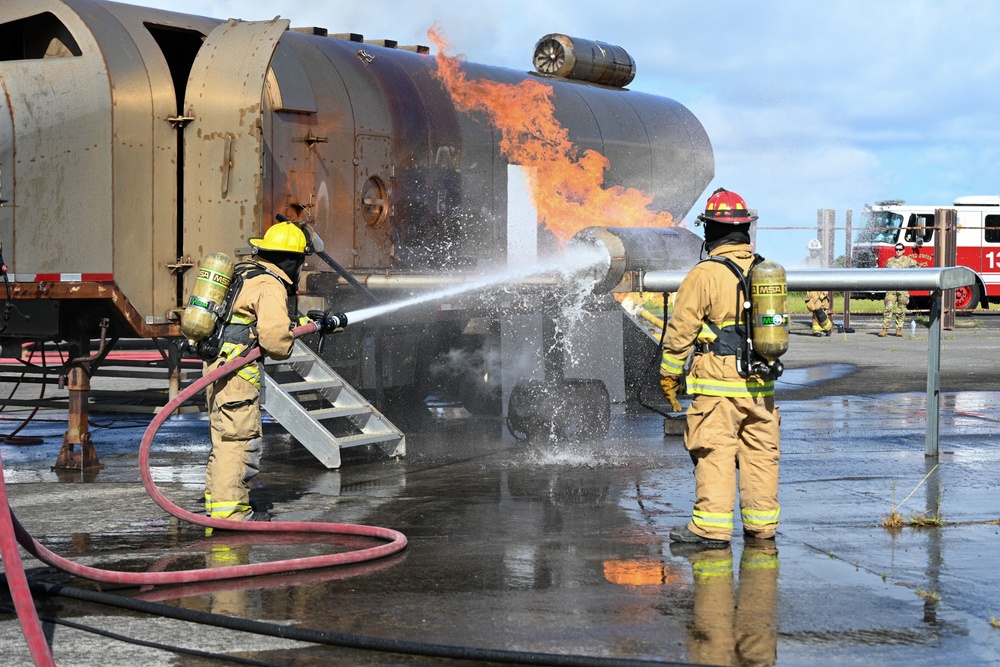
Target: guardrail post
932 428
945 254
848 263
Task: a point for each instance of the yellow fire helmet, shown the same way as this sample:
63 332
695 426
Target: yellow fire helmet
282 237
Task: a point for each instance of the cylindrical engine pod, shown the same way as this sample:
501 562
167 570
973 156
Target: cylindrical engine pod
639 249
769 303
201 312
584 59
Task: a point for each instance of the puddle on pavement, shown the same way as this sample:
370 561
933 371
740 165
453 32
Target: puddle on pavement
812 375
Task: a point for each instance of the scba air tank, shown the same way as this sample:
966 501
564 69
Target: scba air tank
210 287
769 303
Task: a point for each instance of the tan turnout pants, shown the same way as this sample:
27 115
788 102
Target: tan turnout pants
722 434
235 421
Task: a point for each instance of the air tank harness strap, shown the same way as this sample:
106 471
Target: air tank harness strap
727 339
738 338
239 330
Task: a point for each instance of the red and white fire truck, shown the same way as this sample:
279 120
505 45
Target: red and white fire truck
977 243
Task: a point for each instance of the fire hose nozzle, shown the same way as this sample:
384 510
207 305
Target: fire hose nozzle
328 322
336 322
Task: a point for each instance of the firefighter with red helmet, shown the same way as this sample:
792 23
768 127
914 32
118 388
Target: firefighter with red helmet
732 422
259 316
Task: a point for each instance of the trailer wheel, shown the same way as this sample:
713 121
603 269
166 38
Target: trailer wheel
967 297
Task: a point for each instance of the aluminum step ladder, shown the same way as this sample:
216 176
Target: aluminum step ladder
321 410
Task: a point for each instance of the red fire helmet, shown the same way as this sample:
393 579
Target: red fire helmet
726 207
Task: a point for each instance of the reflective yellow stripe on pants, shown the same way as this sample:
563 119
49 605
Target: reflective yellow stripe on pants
226 509
713 521
754 520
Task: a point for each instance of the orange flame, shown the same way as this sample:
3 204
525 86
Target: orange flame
567 190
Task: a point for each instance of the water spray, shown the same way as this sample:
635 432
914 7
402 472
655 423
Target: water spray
580 260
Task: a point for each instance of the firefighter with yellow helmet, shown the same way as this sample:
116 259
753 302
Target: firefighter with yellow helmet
732 421
257 314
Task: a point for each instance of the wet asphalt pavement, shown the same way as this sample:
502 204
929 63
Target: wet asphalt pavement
562 548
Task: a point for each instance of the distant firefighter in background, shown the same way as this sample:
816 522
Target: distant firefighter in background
815 259
818 304
896 300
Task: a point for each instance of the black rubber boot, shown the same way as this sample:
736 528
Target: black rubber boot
683 534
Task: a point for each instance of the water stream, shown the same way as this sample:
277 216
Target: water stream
575 264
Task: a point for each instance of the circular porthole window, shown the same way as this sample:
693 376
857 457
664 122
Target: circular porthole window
374 201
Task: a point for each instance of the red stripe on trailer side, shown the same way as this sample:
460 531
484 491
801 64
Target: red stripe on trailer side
65 277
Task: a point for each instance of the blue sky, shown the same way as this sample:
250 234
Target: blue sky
808 105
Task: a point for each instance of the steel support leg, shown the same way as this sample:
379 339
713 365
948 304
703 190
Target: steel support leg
78 433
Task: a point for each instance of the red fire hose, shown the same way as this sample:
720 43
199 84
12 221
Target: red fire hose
10 527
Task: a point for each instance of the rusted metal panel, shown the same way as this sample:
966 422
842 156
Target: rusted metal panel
223 144
288 85
312 155
309 156
373 183
146 225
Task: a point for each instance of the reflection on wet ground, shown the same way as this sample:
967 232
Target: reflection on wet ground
562 547
811 375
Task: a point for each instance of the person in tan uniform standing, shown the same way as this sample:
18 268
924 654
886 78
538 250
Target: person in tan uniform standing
896 300
259 316
732 422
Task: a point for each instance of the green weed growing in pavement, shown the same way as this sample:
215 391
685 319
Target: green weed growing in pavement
929 595
895 519
925 520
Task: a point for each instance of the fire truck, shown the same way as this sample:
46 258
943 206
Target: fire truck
977 243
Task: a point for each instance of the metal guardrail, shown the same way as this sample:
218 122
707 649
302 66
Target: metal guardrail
848 280
934 280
